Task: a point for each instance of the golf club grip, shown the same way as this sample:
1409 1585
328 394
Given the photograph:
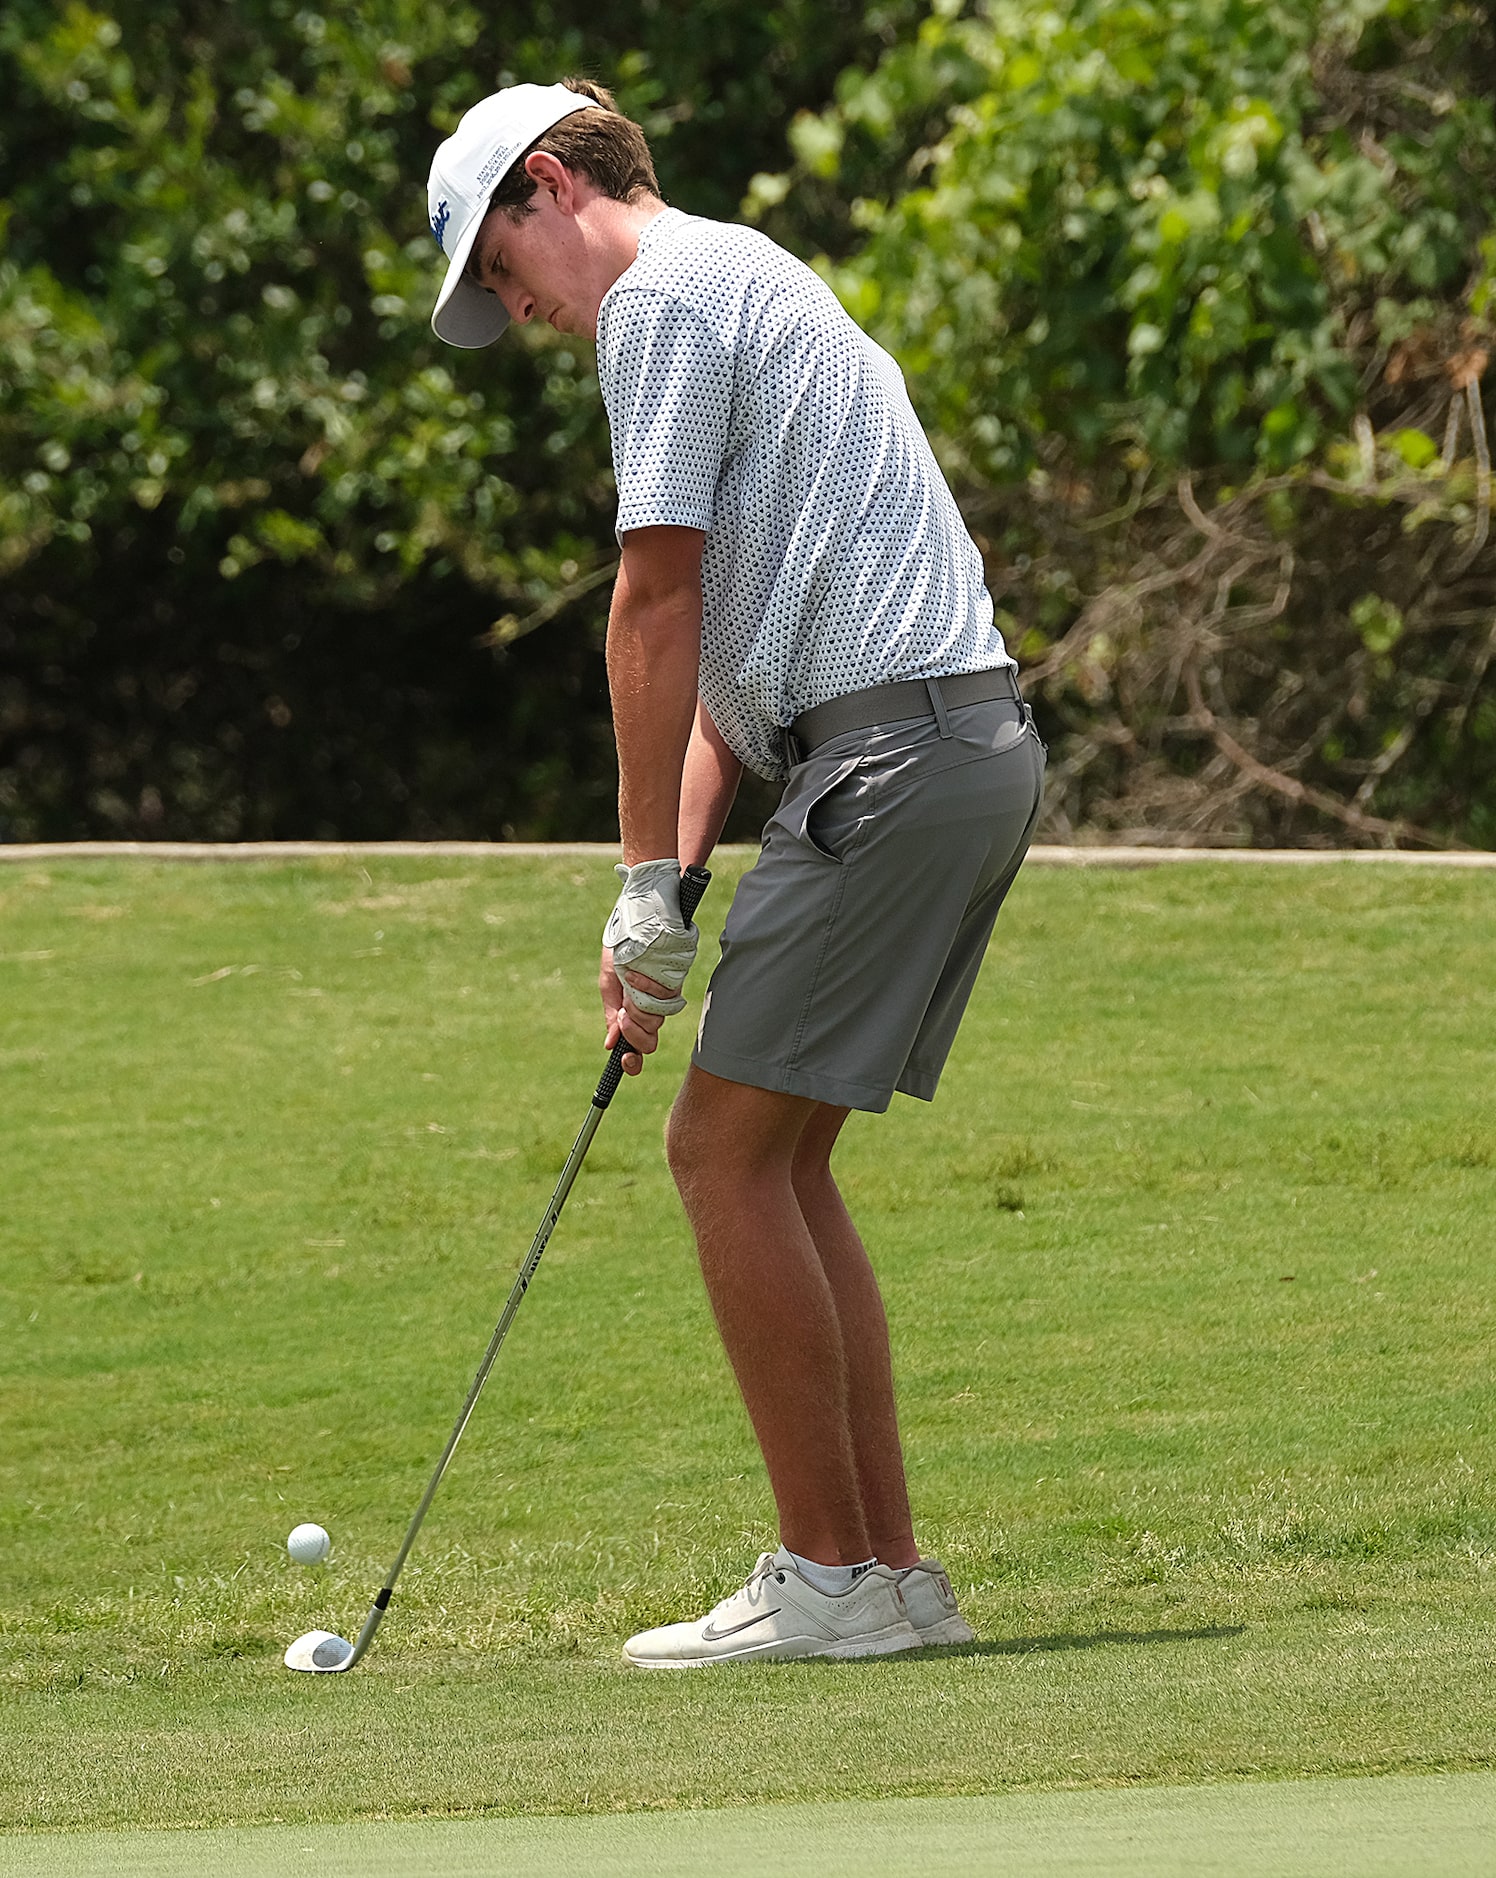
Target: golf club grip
693 884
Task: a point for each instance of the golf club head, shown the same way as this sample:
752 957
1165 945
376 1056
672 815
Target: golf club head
320 1653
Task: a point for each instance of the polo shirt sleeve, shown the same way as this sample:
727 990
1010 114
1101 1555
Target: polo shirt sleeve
668 384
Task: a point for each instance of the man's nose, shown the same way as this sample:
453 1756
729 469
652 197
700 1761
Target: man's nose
519 305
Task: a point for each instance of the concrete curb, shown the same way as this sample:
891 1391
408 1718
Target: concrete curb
1270 857
607 850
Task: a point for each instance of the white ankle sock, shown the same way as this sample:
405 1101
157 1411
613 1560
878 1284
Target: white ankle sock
830 1579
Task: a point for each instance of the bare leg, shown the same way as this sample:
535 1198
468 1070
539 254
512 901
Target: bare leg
877 1452
738 1160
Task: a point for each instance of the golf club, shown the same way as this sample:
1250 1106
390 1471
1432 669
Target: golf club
323 1652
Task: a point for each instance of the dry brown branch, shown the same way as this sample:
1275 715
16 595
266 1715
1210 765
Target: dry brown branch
1113 604
1290 788
1451 436
1366 445
1392 755
1473 684
512 626
1283 712
1477 415
1204 523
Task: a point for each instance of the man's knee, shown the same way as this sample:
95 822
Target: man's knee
686 1136
724 1130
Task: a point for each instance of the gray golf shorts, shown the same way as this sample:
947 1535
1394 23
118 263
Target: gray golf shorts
852 944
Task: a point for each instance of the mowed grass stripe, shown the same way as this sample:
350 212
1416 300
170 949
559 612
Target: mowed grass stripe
1435 1827
1188 1268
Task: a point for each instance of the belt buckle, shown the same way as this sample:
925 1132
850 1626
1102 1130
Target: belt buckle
794 749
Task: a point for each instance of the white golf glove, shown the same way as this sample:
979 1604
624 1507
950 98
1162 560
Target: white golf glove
647 934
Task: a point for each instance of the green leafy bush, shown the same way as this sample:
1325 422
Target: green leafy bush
1243 242
1143 220
1197 296
225 426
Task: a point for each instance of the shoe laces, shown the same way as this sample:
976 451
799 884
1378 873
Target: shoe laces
753 1590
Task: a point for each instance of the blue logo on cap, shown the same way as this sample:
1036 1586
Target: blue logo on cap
439 224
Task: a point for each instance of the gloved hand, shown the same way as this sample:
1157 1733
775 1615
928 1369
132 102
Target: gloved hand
646 934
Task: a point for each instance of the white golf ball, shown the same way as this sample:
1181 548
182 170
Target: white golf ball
309 1545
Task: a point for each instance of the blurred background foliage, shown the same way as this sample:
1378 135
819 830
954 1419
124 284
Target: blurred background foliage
1196 296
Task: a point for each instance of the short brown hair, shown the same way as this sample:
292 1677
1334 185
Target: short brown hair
604 146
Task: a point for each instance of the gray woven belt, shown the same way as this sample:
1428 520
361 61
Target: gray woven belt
887 704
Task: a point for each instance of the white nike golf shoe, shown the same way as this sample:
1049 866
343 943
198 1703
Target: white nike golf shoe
931 1604
779 1614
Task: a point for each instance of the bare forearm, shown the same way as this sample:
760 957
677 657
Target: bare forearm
708 788
654 651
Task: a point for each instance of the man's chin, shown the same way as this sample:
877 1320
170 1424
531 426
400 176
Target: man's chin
563 320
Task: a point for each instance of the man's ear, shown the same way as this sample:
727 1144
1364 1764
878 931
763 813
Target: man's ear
551 174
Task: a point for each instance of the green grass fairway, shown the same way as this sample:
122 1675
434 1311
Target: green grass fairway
1190 1271
1439 1826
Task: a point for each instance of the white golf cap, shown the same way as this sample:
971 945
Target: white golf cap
465 172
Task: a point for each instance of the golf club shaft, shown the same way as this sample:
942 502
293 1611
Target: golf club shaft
693 885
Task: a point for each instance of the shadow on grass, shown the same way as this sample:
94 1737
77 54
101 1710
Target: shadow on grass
1091 1640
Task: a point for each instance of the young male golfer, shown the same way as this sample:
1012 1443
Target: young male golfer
796 593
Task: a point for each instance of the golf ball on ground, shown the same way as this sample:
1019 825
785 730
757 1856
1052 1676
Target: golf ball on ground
309 1545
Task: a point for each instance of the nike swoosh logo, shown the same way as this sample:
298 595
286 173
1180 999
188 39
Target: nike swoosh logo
713 1635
